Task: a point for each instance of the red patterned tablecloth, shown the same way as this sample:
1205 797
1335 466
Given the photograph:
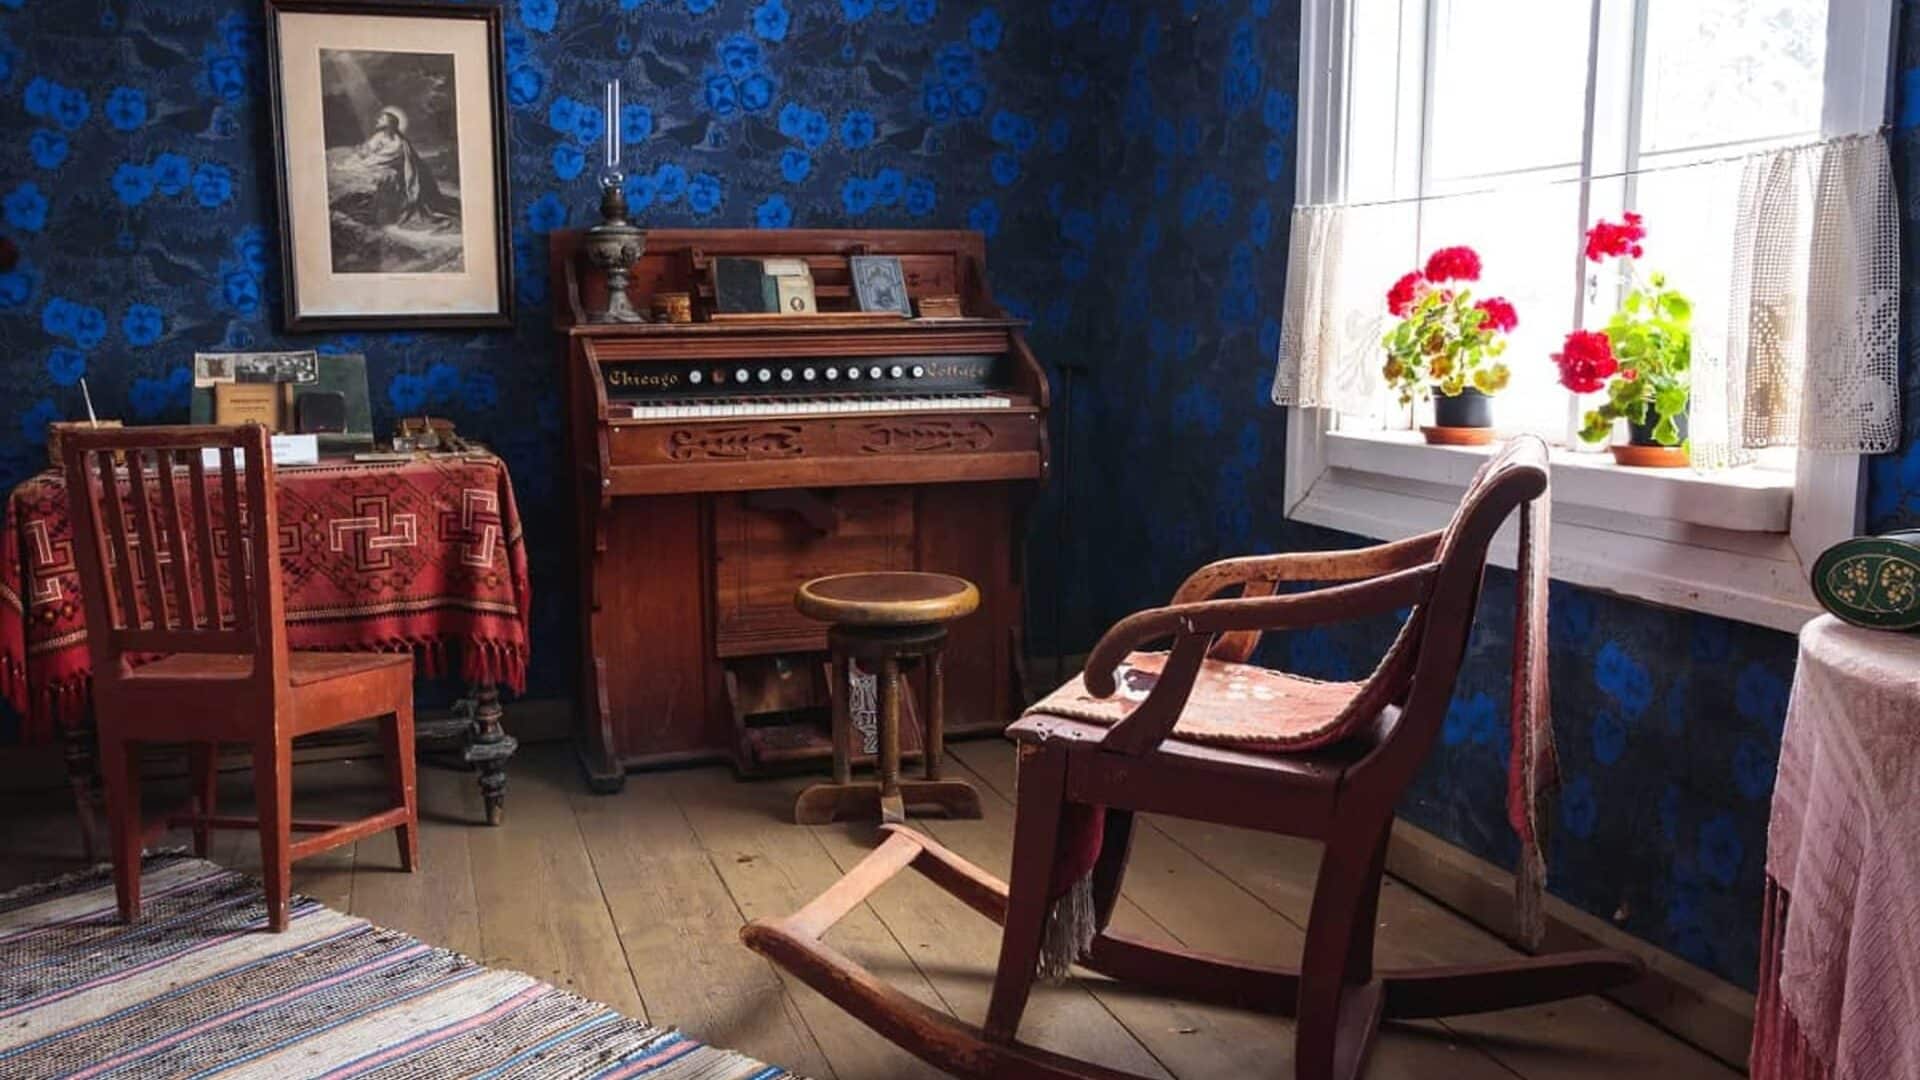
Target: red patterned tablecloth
406 556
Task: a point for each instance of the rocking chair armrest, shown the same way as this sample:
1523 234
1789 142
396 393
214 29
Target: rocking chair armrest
1194 628
1332 566
1199 622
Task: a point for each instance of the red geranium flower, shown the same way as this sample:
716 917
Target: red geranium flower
1607 239
1498 314
1400 298
1454 264
1586 361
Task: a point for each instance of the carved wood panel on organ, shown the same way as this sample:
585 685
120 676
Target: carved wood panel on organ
722 464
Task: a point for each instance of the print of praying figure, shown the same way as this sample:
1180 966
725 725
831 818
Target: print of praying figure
392 129
404 193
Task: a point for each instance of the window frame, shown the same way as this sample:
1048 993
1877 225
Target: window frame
1737 545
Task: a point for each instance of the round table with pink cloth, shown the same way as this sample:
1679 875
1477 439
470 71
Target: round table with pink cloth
1840 951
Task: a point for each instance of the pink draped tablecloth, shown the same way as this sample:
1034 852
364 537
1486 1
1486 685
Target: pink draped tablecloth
1840 956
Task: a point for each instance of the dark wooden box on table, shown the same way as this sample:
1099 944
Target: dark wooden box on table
720 463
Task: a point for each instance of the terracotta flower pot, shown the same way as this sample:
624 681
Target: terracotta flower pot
1463 419
1641 450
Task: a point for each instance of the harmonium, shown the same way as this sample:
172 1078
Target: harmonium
723 458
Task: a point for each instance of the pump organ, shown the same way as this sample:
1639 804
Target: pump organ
721 463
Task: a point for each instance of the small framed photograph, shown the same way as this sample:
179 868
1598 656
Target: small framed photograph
879 284
389 127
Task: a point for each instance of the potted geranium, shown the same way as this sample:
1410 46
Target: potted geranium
1447 344
1642 358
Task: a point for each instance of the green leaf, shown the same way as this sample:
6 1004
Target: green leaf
1632 302
1671 400
1676 307
1595 428
1666 432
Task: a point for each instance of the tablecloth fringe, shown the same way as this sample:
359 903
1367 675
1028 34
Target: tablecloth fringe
1780 1049
481 659
61 703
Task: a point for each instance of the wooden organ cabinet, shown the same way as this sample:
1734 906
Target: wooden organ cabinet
722 462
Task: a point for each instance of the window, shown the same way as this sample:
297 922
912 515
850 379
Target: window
1513 125
1494 110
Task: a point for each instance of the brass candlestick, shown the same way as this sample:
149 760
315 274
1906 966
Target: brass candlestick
613 246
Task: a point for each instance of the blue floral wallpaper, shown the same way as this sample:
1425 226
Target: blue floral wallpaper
1132 165
137 183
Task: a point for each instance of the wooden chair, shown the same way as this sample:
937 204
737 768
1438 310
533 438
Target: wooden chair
186 626
1343 794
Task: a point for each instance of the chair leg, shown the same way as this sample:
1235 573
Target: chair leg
205 778
398 735
1366 916
120 764
1116 844
1036 842
1334 1028
273 801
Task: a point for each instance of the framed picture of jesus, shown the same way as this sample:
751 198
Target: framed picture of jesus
389 125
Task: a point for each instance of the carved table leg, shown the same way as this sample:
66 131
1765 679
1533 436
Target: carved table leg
488 748
77 748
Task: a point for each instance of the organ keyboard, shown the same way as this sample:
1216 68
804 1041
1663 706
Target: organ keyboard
816 405
802 388
720 463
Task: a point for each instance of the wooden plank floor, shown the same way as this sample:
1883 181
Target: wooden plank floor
637 900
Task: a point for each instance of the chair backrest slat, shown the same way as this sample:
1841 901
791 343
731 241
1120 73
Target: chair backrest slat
236 544
118 550
184 607
161 614
148 537
203 535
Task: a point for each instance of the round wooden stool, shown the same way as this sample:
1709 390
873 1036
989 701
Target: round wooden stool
888 621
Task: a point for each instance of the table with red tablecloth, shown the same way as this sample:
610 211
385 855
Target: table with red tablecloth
424 556
1839 993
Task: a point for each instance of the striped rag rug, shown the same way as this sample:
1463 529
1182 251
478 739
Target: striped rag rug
198 987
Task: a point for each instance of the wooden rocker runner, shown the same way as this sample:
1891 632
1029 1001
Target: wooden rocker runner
1199 733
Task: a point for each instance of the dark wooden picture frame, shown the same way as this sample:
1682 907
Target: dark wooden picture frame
297 320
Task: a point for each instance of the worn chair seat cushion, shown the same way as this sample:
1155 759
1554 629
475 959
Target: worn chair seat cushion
1240 706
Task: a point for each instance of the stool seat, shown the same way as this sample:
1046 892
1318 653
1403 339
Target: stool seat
887 598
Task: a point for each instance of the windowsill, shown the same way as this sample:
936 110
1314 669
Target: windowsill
1736 543
1749 499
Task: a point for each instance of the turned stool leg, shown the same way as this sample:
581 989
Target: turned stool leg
838 700
936 713
892 808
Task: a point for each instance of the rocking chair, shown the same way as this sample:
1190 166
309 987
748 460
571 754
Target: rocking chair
1199 733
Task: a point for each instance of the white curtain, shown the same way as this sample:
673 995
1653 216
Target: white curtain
1341 261
1810 357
